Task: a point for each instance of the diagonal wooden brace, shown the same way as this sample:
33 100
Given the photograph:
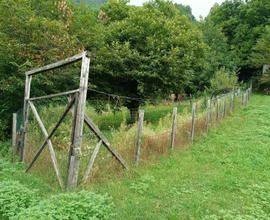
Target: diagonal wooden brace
106 143
91 161
51 134
51 150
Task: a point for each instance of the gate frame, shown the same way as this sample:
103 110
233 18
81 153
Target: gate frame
78 101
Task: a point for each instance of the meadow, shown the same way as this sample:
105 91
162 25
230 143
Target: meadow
223 175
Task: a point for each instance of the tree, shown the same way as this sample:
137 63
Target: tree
242 22
219 54
261 51
149 53
29 37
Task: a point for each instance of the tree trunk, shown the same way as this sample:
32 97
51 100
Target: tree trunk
133 107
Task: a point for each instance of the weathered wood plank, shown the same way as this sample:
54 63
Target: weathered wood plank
57 64
14 136
208 114
41 148
49 143
78 130
54 95
232 103
91 161
173 131
25 117
99 135
225 108
193 122
218 108
138 139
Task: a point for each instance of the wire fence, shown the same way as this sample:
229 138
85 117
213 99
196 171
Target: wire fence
138 143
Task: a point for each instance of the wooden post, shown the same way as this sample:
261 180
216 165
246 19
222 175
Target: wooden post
25 116
232 103
14 136
245 98
173 131
208 114
78 129
139 137
193 122
225 108
218 107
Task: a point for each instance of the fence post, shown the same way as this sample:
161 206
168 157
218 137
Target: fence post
246 98
208 114
174 117
232 103
218 107
193 121
139 137
14 136
225 107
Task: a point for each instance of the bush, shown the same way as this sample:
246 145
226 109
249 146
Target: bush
4 149
70 206
223 81
14 197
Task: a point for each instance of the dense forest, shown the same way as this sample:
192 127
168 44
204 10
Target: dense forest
144 52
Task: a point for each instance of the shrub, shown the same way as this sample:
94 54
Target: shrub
4 149
14 197
70 206
223 81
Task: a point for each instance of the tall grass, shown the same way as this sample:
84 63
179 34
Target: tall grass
155 140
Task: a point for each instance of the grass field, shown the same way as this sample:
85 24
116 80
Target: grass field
222 176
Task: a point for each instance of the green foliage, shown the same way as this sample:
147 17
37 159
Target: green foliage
263 81
5 149
78 206
149 52
30 36
223 81
14 198
243 23
261 51
219 54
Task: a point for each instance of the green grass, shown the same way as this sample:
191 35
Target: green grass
222 176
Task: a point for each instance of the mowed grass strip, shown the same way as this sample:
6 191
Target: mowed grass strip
222 176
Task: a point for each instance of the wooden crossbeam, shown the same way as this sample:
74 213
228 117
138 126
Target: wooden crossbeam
106 143
54 95
51 134
57 64
91 161
49 143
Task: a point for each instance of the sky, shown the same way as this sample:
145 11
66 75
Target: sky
199 7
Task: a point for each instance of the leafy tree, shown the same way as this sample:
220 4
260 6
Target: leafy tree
219 53
149 53
242 22
261 51
28 38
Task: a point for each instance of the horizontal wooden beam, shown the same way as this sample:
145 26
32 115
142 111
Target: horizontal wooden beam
54 95
57 64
